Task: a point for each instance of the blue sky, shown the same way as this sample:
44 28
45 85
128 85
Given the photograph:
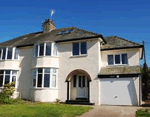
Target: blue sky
129 19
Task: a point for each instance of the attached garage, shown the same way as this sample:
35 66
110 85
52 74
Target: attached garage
118 91
120 85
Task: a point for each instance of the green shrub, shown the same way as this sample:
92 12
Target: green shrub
143 113
57 101
8 92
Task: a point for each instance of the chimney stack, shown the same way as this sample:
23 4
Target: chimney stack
48 26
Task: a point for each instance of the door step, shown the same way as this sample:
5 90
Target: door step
81 99
79 102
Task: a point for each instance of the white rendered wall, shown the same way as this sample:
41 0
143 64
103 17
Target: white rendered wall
89 63
46 61
133 56
44 95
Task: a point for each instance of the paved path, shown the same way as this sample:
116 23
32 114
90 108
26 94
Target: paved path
112 111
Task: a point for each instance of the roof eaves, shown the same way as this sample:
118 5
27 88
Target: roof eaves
129 47
75 39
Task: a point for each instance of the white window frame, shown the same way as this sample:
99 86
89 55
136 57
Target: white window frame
79 49
114 59
43 72
10 80
44 54
13 53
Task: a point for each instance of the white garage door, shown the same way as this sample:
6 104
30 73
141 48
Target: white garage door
119 91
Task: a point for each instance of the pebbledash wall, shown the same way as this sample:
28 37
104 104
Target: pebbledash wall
65 63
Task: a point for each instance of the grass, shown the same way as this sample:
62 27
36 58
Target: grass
28 109
143 113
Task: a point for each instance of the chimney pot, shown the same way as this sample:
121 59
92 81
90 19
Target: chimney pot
48 26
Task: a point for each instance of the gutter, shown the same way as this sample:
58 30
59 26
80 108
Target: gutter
141 46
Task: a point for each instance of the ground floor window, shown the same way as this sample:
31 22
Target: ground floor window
44 77
7 76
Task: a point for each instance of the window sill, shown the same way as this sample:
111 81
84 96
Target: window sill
47 57
38 88
118 65
9 60
77 56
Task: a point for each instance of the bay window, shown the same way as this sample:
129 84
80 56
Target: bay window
117 59
79 48
7 76
9 53
46 49
44 77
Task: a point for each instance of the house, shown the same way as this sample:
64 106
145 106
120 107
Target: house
73 65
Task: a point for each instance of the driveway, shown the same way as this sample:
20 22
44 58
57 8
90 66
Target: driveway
112 111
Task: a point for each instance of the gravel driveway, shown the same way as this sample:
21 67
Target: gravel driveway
112 111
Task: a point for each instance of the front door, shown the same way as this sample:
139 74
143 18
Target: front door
82 87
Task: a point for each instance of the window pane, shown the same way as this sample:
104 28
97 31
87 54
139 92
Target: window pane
34 82
75 49
124 59
1 71
16 54
54 70
46 80
54 81
74 80
40 70
7 78
14 73
7 72
0 53
4 53
41 49
1 80
79 81
83 83
36 50
13 78
117 59
110 60
39 80
55 50
47 70
83 48
48 48
9 54
34 77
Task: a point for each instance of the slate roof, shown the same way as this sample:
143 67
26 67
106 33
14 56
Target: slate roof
114 42
30 39
120 70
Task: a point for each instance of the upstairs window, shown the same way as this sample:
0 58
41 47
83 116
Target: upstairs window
79 48
117 59
9 53
46 49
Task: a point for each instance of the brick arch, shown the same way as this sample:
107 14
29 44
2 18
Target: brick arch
77 71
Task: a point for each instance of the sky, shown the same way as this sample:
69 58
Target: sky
129 19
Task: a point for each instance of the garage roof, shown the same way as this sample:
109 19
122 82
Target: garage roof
120 70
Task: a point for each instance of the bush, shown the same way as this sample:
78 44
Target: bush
143 113
57 101
8 92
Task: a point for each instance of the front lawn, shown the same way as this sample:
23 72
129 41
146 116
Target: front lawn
42 110
143 113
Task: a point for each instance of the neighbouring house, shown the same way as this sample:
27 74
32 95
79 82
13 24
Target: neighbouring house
73 65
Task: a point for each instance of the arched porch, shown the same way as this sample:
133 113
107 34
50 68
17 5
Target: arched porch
78 87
